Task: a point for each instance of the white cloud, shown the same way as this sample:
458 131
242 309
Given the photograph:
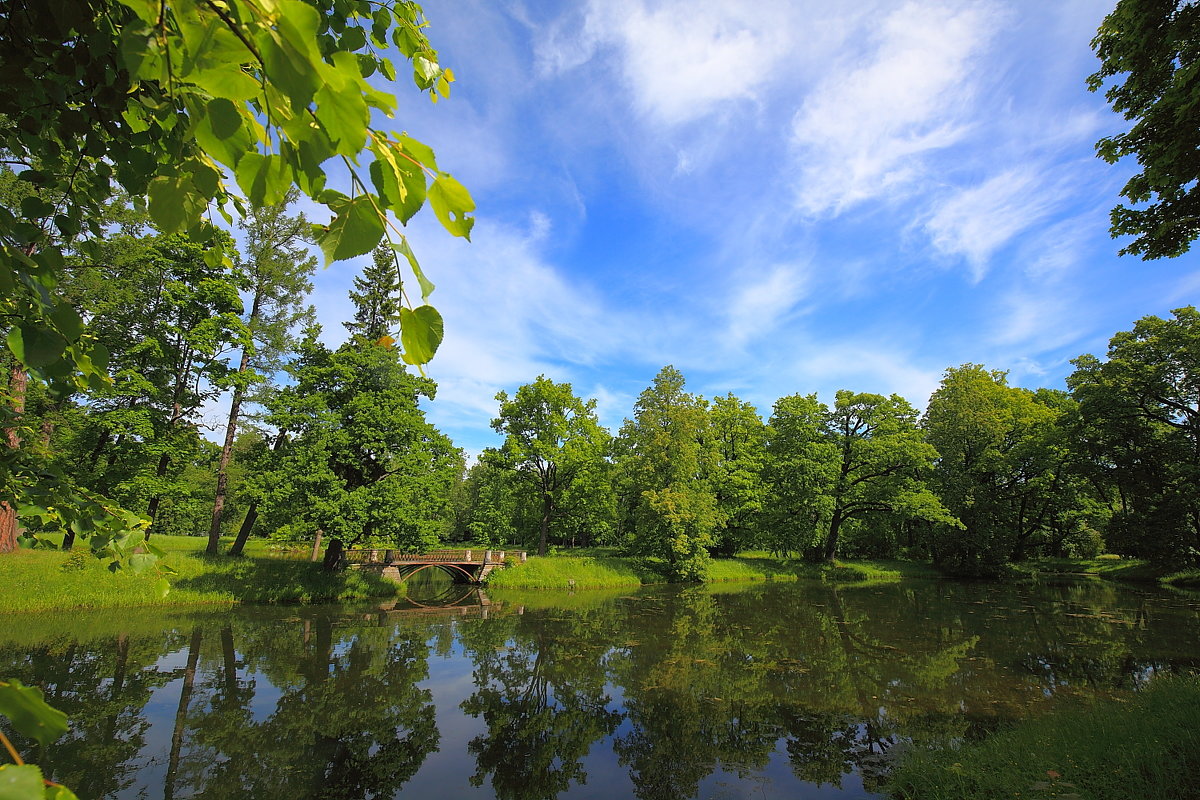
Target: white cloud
681 59
759 307
862 132
975 222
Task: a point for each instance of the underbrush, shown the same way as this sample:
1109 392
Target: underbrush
1147 747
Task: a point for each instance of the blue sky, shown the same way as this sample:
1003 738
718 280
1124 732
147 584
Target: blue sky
773 196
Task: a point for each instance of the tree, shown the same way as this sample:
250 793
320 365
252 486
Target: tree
167 101
800 465
1140 429
1005 467
665 466
739 437
359 461
552 438
1154 48
376 296
277 268
881 463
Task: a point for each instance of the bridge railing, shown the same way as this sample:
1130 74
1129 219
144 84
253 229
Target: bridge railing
472 556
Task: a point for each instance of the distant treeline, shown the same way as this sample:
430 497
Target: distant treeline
335 440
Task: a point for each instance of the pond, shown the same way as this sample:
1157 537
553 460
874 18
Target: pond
727 691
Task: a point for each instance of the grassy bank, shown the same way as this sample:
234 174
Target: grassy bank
1112 568
609 571
45 580
1143 748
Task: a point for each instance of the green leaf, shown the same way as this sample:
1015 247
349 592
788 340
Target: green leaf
451 203
162 588
59 793
264 179
21 782
343 114
67 321
140 562
228 81
29 713
355 231
421 331
35 345
174 203
418 150
403 249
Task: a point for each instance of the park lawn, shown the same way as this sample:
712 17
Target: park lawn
52 580
1145 747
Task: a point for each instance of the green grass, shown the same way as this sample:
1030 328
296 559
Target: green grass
1147 747
1109 567
609 571
44 580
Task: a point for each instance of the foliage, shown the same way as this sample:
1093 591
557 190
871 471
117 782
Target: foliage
1151 47
1139 432
361 462
377 298
799 467
556 446
26 708
736 474
167 103
665 466
1005 470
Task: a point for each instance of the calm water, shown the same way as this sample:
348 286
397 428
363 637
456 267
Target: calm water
777 690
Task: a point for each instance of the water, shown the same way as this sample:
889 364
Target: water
750 690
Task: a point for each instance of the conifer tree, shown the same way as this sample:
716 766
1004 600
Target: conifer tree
376 296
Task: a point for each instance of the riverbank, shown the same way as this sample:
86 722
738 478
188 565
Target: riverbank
601 571
1114 568
1148 746
51 580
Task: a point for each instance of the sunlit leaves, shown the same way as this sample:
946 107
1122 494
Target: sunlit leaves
420 333
355 230
452 203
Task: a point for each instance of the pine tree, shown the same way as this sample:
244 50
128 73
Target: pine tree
376 296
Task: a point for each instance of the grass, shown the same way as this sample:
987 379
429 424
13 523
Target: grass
610 571
44 580
1110 567
1147 747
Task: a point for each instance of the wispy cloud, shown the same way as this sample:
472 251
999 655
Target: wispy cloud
862 132
757 308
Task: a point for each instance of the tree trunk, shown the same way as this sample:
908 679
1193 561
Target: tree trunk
545 526
244 532
18 380
235 410
831 539
164 461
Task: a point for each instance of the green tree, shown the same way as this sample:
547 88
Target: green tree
1005 468
360 461
1153 48
551 438
1140 431
277 267
665 465
800 465
170 102
739 437
881 464
376 295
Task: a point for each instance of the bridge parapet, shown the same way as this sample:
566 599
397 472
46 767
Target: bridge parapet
473 564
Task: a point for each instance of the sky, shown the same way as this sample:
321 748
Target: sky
775 197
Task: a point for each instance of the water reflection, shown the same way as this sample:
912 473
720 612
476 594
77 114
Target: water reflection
659 694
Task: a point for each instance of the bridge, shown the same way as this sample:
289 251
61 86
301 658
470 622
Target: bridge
463 566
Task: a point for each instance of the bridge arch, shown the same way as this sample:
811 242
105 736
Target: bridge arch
453 570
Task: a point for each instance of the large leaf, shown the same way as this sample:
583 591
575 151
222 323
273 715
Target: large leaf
35 345
421 332
452 202
29 713
21 782
344 117
355 230
264 178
